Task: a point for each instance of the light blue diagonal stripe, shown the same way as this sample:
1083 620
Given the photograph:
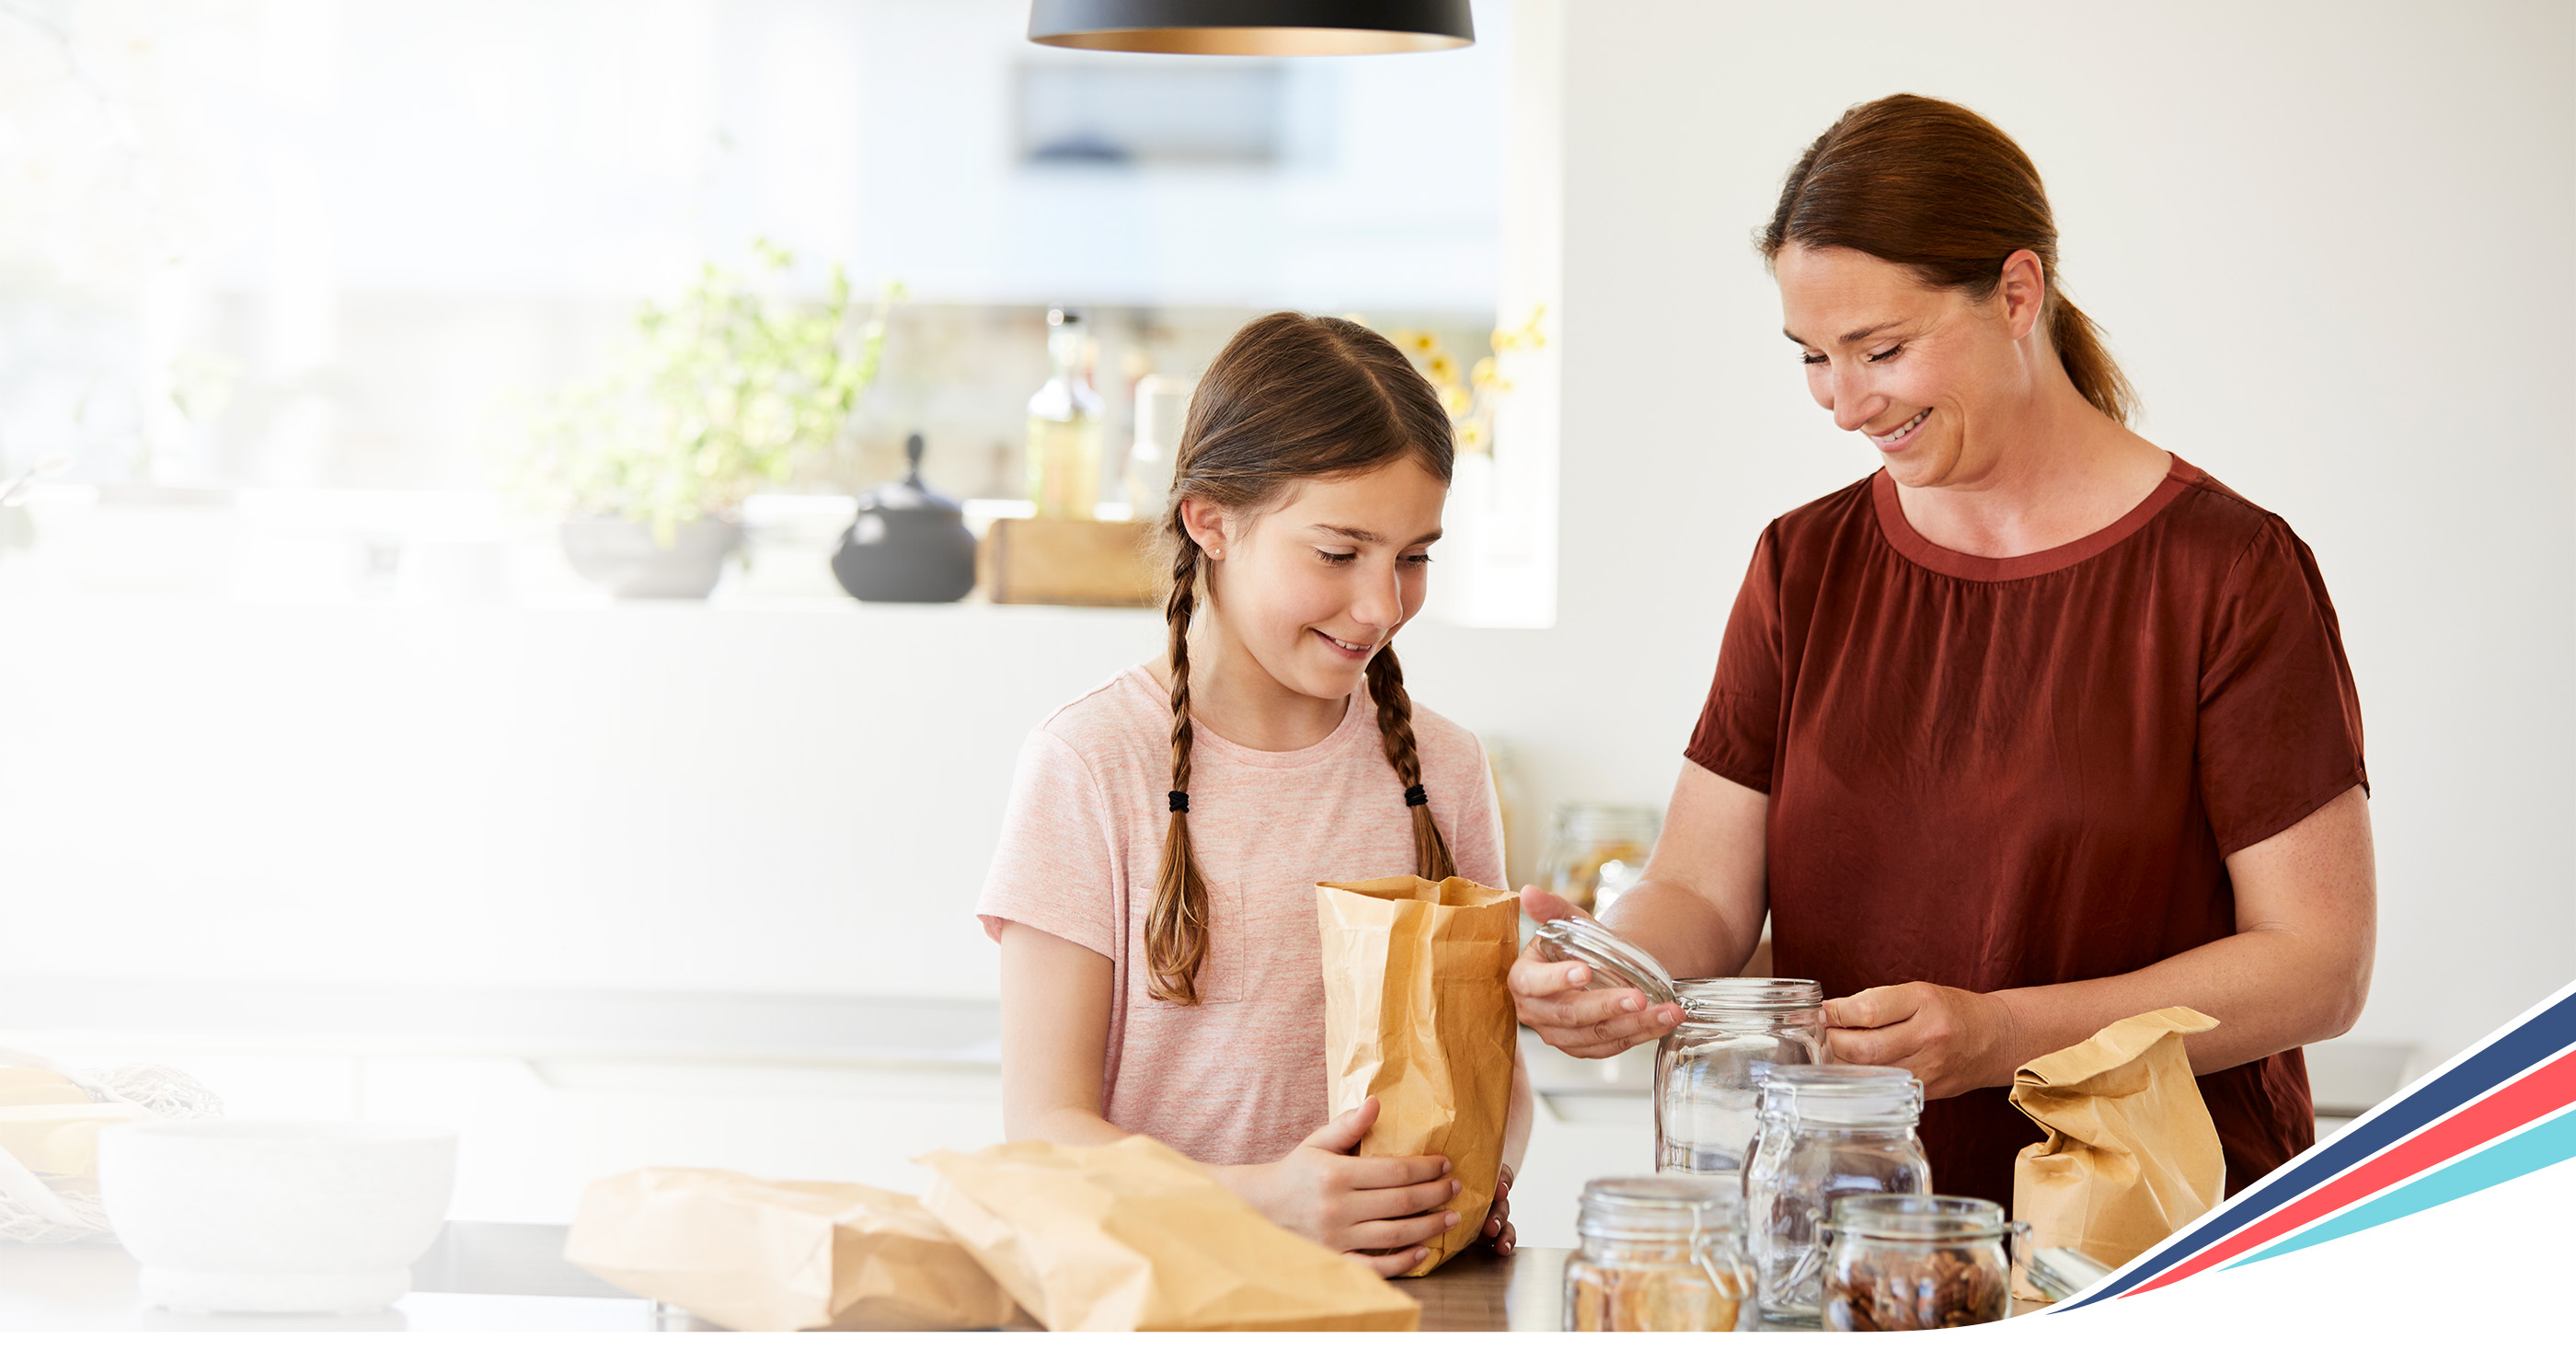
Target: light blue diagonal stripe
2528 1152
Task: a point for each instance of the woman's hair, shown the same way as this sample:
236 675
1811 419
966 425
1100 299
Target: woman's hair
1289 397
1929 185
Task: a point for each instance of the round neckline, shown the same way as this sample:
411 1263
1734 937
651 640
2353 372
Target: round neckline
1356 714
1911 545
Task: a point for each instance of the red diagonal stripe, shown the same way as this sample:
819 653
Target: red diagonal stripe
2517 1104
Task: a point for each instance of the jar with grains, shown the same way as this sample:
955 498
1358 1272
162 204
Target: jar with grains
1587 841
1659 1254
1708 1069
1919 1262
1824 1132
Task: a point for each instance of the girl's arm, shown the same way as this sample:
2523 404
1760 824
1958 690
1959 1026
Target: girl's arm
1055 1043
1055 1038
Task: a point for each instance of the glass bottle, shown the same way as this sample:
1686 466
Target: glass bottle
1593 847
1708 1070
1659 1254
1919 1262
1065 428
1823 1132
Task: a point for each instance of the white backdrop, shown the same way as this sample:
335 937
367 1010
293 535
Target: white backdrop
2328 241
2330 244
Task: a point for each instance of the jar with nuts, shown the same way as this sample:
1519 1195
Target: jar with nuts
1659 1254
1822 1132
1919 1262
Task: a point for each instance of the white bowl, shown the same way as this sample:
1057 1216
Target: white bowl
282 1217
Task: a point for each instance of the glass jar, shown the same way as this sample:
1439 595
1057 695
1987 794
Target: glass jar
1659 1254
1708 1069
1919 1262
1586 840
1616 961
1823 1132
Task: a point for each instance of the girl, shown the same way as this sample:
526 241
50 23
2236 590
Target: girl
1154 895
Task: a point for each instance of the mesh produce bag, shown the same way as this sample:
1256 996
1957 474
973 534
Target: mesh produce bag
59 1207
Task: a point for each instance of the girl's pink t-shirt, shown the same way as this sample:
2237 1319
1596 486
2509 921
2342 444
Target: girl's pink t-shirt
1240 1077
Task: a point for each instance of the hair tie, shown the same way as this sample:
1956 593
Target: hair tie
1414 798
1180 801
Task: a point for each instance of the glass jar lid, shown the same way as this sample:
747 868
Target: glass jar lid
1658 1208
1615 962
1715 999
1842 1094
1917 1218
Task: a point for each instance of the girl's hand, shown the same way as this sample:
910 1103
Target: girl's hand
1953 1040
1583 1022
1375 1210
1498 1233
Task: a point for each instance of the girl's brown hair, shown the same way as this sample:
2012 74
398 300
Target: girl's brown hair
1929 185
1289 397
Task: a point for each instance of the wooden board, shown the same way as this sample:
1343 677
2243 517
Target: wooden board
1071 562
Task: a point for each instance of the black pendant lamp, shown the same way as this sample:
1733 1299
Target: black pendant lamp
1254 28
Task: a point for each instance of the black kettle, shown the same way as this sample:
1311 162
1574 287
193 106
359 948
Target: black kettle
908 544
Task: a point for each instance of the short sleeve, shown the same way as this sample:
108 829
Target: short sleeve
2280 720
1739 728
1056 868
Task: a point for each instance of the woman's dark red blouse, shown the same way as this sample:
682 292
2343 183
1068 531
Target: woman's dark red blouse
1994 773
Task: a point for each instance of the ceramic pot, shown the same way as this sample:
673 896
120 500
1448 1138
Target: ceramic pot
621 555
907 544
275 1217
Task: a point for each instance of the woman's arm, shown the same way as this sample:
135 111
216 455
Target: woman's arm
2296 971
1698 909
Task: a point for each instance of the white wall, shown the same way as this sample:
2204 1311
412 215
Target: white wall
2329 243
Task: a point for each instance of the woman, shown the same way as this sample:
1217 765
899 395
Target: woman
2036 728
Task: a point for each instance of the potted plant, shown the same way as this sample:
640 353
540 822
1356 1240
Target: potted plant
728 389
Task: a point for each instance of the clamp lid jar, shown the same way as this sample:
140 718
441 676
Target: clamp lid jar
1615 961
1824 1132
1659 1254
1708 1069
1919 1262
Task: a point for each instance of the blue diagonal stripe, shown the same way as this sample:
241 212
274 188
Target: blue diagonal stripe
2526 1045
2528 1152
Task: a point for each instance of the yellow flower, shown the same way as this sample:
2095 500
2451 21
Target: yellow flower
1422 341
1485 372
1471 435
1443 369
1458 400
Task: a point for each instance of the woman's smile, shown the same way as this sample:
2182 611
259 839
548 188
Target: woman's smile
1903 435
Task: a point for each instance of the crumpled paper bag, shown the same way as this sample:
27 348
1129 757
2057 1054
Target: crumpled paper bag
1418 1014
758 1255
2130 1154
1132 1235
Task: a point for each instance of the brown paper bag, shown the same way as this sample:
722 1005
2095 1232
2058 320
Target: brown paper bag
1131 1235
749 1254
1417 1014
2131 1155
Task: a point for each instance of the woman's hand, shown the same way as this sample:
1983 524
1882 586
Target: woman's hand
1953 1040
1552 1000
1375 1210
1498 1233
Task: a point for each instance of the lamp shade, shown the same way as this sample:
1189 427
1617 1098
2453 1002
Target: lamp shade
1254 28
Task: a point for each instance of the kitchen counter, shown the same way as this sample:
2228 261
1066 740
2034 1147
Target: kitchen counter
484 1276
